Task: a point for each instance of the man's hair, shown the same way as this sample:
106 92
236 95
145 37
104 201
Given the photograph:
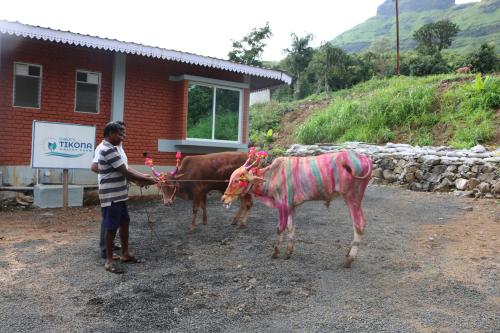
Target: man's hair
112 127
121 123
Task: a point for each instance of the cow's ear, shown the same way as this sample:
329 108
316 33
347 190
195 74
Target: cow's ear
178 176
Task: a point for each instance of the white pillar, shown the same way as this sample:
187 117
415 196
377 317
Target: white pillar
1 54
118 87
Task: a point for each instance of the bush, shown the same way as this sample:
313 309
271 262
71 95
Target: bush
484 60
265 117
421 65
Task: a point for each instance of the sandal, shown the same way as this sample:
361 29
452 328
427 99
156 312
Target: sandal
132 260
113 269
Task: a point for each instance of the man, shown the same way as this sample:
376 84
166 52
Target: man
113 194
94 168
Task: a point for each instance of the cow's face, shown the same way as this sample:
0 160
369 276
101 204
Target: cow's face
168 188
240 182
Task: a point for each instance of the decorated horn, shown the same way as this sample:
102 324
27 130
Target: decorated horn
251 155
149 162
178 157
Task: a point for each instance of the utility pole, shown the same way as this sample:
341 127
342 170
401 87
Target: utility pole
398 71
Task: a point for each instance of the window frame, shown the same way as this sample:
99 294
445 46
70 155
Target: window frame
216 85
87 71
39 85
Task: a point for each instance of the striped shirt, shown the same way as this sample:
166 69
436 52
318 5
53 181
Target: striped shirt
113 183
97 153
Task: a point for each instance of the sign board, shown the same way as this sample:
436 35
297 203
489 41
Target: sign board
62 146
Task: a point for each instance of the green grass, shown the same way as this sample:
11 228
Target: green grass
382 110
266 116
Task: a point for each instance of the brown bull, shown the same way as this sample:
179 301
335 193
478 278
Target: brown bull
463 70
198 175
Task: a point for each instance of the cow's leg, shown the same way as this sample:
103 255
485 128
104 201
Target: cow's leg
204 208
196 206
277 242
282 220
238 213
358 223
245 205
290 236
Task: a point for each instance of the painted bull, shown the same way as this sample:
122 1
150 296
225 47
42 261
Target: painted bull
290 181
198 175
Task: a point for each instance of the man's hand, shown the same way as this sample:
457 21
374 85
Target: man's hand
145 181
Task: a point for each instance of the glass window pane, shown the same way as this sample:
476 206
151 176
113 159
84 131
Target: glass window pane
34 71
26 91
227 112
86 97
81 77
199 116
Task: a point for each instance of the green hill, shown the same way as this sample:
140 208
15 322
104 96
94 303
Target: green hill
478 22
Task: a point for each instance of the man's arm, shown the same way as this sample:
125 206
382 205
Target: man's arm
136 176
94 167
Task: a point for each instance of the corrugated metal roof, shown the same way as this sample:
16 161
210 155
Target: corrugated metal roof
67 37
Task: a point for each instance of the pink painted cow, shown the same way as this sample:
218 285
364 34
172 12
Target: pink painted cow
290 181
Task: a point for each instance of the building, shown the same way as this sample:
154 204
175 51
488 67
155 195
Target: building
261 96
170 100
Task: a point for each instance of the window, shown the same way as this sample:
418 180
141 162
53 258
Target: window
87 91
213 112
27 85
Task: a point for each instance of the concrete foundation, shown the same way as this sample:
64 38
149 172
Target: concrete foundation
51 196
22 175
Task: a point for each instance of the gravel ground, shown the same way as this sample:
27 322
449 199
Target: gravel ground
428 263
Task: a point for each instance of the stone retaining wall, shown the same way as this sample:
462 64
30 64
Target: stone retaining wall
466 172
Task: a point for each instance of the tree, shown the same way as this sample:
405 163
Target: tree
298 57
436 36
330 66
484 59
381 55
249 50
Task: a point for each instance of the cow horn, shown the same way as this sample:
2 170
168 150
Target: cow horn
250 166
178 157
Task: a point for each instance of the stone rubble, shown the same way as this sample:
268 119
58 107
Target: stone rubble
466 172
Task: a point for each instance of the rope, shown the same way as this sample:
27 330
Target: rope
150 222
197 180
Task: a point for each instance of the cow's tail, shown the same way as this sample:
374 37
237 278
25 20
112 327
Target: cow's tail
352 172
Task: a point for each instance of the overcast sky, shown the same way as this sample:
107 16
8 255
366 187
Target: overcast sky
197 26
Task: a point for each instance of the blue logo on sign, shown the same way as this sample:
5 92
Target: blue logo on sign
68 147
52 146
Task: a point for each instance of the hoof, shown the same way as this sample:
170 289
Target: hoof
234 222
276 254
287 256
348 262
192 229
242 226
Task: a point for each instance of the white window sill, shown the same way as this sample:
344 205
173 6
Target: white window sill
198 146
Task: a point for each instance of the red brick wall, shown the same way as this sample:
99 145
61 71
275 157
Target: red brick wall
59 64
246 99
155 107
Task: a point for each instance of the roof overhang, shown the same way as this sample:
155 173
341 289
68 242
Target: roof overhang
264 77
